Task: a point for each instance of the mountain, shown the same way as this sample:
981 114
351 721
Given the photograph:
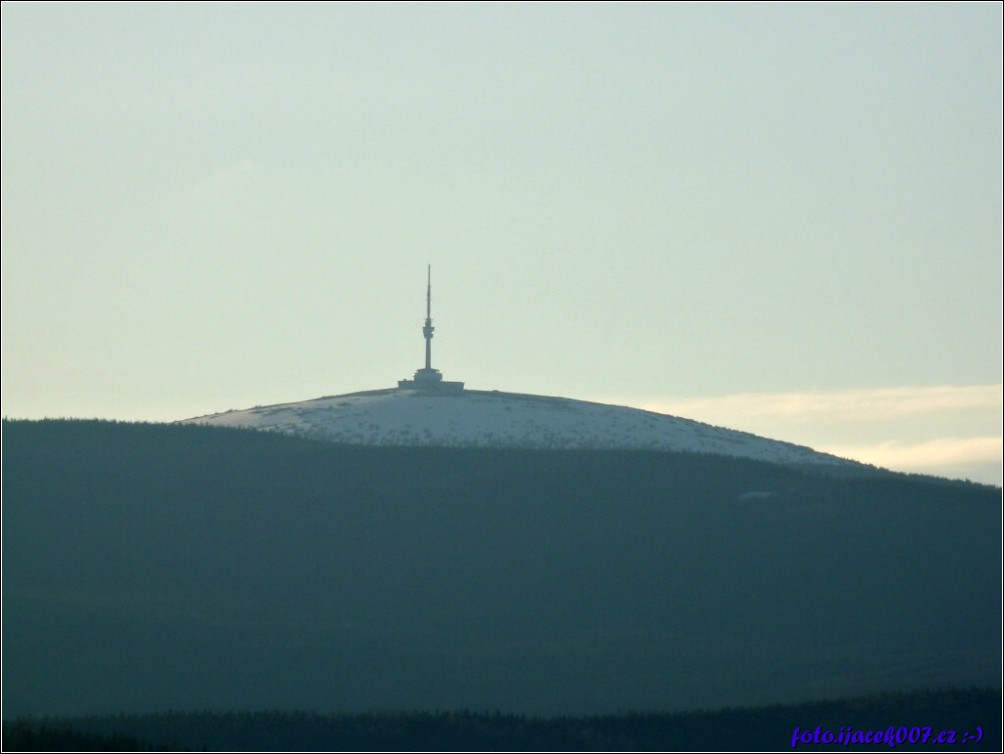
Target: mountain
153 567
478 418
428 411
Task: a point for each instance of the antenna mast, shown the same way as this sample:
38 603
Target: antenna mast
428 329
428 380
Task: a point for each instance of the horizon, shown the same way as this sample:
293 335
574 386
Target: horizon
822 416
784 220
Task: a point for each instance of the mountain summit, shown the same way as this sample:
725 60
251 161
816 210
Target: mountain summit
429 411
479 418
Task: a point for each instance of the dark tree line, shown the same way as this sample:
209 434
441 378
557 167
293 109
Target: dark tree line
747 729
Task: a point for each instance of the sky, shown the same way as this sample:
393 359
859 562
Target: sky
780 218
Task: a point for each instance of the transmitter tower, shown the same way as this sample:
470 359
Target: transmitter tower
428 379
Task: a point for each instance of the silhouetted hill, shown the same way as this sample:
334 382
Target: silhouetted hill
154 567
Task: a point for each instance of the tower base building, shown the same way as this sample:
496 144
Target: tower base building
430 381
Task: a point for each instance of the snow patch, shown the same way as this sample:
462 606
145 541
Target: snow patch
494 419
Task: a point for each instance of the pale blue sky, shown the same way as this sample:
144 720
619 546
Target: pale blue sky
666 205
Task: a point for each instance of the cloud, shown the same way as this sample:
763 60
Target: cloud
942 430
943 452
231 173
223 181
870 405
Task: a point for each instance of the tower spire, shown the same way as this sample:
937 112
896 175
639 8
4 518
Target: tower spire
428 329
427 379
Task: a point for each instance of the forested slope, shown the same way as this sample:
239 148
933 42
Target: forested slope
154 567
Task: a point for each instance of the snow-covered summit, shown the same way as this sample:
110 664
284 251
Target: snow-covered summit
478 418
